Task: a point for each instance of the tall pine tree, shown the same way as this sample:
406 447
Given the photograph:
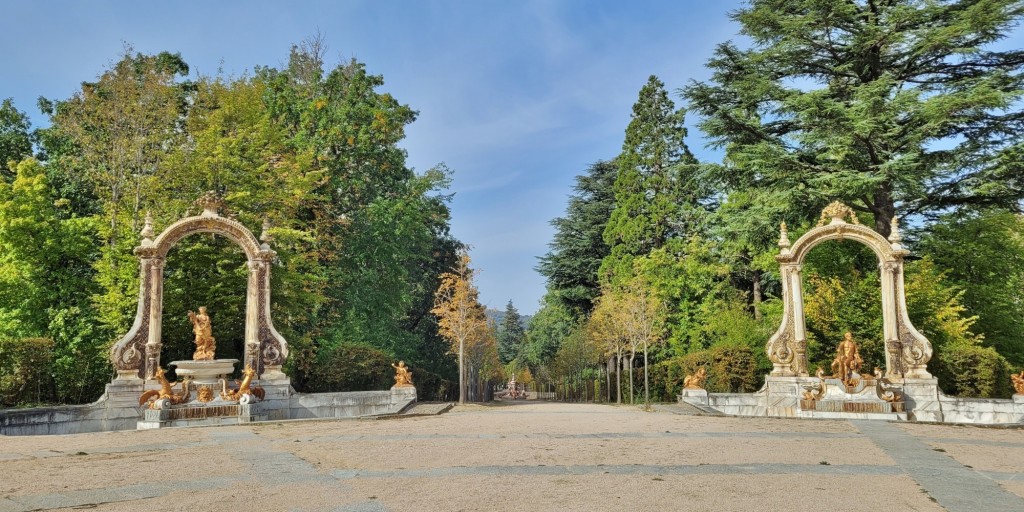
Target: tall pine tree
578 247
651 182
898 105
511 334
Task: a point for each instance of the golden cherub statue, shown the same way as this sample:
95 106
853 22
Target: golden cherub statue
205 342
847 361
696 381
403 377
1018 383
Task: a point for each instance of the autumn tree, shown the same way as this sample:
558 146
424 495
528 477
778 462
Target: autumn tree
606 326
461 317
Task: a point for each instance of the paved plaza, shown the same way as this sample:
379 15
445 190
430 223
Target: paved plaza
523 456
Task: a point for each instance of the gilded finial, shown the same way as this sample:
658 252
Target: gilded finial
783 236
265 236
211 204
894 235
837 211
147 228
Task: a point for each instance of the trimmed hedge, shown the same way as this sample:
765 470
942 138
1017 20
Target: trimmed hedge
731 369
25 377
971 370
351 367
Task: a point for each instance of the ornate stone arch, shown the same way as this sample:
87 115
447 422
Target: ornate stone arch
137 354
907 351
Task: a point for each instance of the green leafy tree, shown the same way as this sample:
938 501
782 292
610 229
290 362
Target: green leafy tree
552 323
117 132
511 334
886 105
46 283
572 263
15 142
361 238
983 254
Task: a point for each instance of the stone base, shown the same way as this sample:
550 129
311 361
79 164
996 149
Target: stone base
118 409
226 413
921 397
694 396
892 416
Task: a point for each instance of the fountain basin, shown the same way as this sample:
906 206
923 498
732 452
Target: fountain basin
205 372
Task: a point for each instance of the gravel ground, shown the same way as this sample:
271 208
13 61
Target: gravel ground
524 455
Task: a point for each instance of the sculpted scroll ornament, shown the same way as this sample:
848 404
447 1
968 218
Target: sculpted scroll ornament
140 348
908 350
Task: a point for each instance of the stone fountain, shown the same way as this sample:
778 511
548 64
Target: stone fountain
214 401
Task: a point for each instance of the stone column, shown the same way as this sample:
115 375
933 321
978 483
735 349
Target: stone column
889 271
796 290
273 350
252 341
154 341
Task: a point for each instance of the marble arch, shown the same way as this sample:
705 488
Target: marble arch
907 351
137 354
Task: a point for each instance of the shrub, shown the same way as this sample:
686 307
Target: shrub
352 367
730 369
25 371
971 370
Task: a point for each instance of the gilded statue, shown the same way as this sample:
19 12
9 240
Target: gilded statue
166 391
1018 383
403 377
205 342
847 361
245 387
696 381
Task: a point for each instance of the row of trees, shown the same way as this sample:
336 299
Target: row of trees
362 239
900 107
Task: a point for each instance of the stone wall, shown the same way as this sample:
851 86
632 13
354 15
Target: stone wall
118 409
924 402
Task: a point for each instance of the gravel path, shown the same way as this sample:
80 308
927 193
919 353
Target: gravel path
522 456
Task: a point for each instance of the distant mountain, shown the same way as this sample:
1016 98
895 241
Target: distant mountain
498 315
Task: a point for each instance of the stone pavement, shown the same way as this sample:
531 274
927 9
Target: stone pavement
537 456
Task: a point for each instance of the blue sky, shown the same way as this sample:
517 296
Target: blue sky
516 97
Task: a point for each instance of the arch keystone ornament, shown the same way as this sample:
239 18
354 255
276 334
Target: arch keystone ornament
137 354
907 351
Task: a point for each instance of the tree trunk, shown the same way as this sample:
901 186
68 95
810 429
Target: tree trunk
884 210
608 381
462 372
647 382
631 356
757 295
618 378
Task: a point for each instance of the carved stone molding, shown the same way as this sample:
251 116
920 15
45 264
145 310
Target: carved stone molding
140 349
907 350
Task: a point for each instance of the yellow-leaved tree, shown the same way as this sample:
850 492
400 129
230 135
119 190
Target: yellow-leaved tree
460 315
